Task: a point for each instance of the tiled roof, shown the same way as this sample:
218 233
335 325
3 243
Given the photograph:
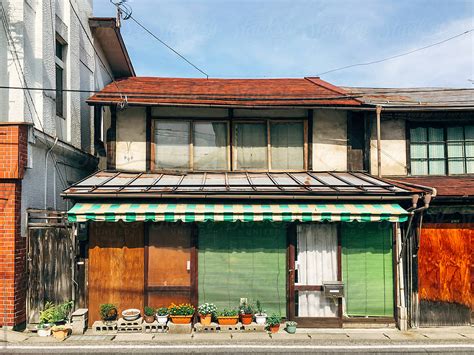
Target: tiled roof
446 186
125 184
224 92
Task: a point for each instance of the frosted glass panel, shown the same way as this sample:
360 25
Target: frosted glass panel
436 150
436 134
418 134
210 145
287 140
419 151
437 167
419 167
251 144
172 145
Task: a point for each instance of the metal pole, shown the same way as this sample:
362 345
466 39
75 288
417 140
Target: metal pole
378 111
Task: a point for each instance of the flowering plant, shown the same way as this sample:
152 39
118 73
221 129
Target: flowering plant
183 309
228 313
207 308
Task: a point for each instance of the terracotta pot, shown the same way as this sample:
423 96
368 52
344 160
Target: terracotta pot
205 319
246 318
181 319
60 334
274 328
228 320
149 319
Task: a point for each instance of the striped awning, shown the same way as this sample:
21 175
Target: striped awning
193 212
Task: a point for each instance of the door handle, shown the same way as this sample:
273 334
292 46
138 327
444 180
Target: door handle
188 265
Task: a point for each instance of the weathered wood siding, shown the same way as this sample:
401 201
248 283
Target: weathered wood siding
445 274
116 266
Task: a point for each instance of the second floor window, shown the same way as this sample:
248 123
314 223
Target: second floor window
442 150
60 49
207 145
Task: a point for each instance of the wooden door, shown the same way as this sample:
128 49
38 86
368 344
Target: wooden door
169 264
116 266
316 259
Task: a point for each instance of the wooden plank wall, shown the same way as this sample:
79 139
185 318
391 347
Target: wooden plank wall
445 274
116 266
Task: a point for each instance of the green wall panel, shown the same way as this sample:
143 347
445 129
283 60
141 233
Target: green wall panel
367 268
243 260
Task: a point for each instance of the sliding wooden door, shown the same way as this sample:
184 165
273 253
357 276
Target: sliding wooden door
169 264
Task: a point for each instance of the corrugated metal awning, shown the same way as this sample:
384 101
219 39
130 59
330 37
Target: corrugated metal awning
193 212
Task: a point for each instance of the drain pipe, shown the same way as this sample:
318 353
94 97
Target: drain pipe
48 153
378 111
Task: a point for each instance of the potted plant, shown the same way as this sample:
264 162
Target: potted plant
43 329
291 327
149 314
55 313
227 317
182 313
274 322
108 312
246 313
206 311
60 332
162 315
260 316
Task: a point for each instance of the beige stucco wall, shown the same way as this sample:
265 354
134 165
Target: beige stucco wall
131 139
329 140
394 151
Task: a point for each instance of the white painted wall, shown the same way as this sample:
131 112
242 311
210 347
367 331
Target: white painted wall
329 140
394 151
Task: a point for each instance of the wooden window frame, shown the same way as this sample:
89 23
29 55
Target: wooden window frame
446 159
231 149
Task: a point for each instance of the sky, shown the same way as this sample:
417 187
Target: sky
298 38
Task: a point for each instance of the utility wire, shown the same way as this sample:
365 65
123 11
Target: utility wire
397 55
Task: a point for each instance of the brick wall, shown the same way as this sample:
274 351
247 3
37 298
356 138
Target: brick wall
13 159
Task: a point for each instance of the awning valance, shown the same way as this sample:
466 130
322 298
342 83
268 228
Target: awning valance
194 212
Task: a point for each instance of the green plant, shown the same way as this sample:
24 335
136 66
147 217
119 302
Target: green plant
260 310
183 309
274 319
162 311
149 311
43 326
228 313
207 308
54 313
246 308
291 324
108 311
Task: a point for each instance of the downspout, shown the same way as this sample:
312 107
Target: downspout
401 307
48 153
378 111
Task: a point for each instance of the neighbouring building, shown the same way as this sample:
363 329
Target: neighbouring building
48 139
428 140
221 189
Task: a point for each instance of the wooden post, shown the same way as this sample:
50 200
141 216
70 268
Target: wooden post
378 111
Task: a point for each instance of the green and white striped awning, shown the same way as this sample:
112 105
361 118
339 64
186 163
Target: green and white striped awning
195 212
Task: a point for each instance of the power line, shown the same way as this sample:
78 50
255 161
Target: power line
397 55
129 15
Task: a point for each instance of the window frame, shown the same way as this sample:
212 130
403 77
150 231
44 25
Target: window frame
61 65
446 159
231 150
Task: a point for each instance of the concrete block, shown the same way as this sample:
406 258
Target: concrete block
179 328
154 327
231 328
79 319
212 328
254 327
124 326
100 327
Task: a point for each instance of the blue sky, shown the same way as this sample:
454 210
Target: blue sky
280 38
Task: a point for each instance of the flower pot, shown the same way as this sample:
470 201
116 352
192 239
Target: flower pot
162 319
149 319
274 328
228 320
291 329
131 314
205 319
261 318
246 318
60 334
181 319
44 332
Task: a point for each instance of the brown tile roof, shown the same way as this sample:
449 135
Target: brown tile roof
224 92
446 186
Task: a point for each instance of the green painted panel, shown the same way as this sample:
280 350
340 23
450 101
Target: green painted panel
367 268
243 260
